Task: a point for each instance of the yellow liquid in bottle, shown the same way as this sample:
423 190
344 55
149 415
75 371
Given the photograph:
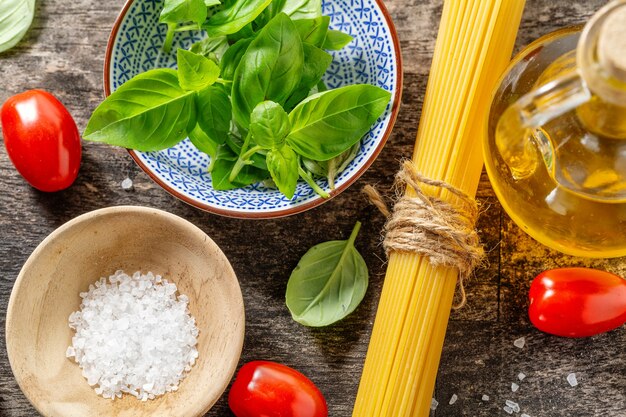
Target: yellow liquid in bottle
564 183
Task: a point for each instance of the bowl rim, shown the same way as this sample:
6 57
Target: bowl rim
9 320
395 108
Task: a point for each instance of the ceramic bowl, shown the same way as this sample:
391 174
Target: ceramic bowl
372 58
97 244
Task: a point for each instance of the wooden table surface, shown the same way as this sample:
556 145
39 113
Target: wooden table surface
63 53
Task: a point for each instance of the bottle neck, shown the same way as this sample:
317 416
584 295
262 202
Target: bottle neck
601 53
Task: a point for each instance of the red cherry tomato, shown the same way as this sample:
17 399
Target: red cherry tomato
577 302
42 140
269 389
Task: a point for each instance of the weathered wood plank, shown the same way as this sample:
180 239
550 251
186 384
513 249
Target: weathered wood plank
64 53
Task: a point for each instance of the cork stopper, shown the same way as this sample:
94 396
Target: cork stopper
612 44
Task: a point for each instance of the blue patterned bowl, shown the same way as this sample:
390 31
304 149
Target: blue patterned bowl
373 57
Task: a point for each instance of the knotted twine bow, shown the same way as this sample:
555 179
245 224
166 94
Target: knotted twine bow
429 226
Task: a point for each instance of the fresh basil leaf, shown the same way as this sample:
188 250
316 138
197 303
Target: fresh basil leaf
326 124
316 62
234 17
245 33
331 168
328 283
211 47
231 59
282 163
149 112
301 9
336 40
225 161
16 17
204 143
270 69
181 11
269 125
313 31
214 113
195 72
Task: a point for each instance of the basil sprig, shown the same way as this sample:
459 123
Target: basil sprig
250 96
328 283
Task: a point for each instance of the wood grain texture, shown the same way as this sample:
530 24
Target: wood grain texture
63 53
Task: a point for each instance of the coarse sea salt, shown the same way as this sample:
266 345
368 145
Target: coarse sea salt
520 343
133 335
485 397
434 404
572 380
453 399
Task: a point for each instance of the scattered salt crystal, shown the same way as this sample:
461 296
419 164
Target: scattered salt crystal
519 343
513 405
524 415
133 335
571 378
521 376
514 387
433 404
485 397
127 184
508 409
453 399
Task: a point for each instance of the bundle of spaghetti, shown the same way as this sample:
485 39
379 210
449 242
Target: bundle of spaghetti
473 48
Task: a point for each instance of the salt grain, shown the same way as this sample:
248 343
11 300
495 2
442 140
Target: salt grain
134 336
485 397
508 409
127 184
453 399
513 405
433 404
519 343
514 387
524 415
571 378
521 376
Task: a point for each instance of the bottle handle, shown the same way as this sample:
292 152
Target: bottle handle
514 133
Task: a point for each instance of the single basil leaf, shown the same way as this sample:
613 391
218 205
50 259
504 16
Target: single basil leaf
214 113
336 40
181 11
331 168
313 31
204 143
270 69
283 166
234 17
316 62
225 161
269 125
326 124
16 17
195 72
149 112
211 47
301 9
232 58
328 283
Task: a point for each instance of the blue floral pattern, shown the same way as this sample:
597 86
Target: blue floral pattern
369 58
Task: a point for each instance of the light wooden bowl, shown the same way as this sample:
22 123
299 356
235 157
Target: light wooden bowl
97 244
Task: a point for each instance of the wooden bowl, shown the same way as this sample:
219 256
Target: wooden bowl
97 244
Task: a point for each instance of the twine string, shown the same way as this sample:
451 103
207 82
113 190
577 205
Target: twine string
429 226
